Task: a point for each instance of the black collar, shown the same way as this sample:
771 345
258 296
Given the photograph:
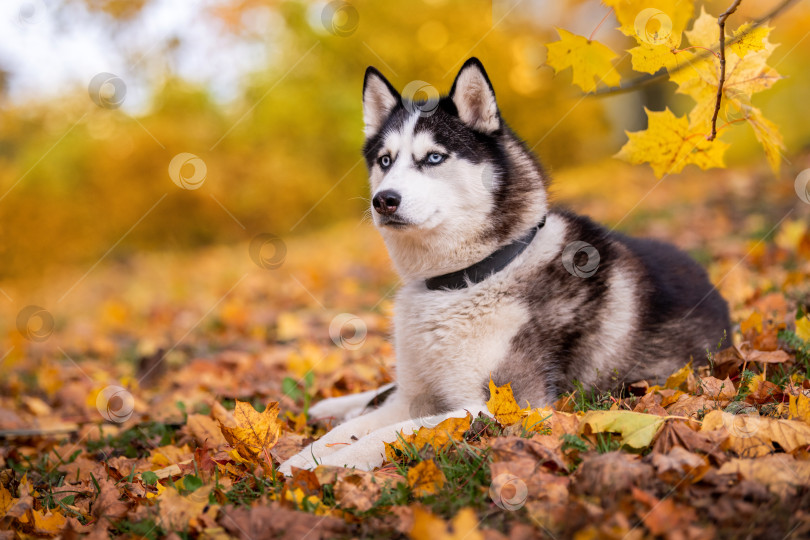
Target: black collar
492 264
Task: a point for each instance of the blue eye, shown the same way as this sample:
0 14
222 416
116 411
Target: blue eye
385 161
435 158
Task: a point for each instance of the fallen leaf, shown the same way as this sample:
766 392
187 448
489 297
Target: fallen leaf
427 526
679 465
425 478
359 491
799 407
750 435
781 473
255 433
502 404
443 435
637 429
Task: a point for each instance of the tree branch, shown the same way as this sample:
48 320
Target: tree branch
721 22
647 80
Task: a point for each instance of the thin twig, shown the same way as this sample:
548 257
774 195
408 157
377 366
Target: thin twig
721 23
646 80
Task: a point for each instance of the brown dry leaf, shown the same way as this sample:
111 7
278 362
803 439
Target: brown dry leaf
358 490
427 526
650 403
108 505
530 452
691 406
781 473
255 433
204 428
753 436
607 474
680 464
677 434
664 516
178 512
716 389
273 521
305 480
425 478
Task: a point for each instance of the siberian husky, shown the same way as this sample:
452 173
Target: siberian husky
498 284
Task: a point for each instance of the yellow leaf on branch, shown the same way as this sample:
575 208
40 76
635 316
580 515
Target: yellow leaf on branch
752 40
255 433
670 143
653 21
591 62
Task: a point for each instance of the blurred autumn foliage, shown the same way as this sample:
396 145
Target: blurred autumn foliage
282 152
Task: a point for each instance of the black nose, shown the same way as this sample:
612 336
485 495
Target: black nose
386 202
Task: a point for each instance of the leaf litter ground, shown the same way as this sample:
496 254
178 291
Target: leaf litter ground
162 402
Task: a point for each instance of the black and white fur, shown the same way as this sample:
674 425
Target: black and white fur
545 320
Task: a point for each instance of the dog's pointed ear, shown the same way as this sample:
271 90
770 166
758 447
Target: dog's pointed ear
474 97
379 99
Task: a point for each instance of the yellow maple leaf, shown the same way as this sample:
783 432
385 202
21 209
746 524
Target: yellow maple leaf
660 22
255 433
425 478
502 404
670 143
648 58
748 39
5 500
590 61
439 437
753 322
427 526
768 136
680 379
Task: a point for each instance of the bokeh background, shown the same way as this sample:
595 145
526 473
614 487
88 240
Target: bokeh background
266 94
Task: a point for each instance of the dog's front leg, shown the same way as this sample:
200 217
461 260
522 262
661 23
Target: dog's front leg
394 410
369 452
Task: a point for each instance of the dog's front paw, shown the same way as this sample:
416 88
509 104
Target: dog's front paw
301 460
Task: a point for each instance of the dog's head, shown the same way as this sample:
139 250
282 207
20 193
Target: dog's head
450 182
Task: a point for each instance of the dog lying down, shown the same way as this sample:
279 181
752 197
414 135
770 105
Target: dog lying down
496 282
